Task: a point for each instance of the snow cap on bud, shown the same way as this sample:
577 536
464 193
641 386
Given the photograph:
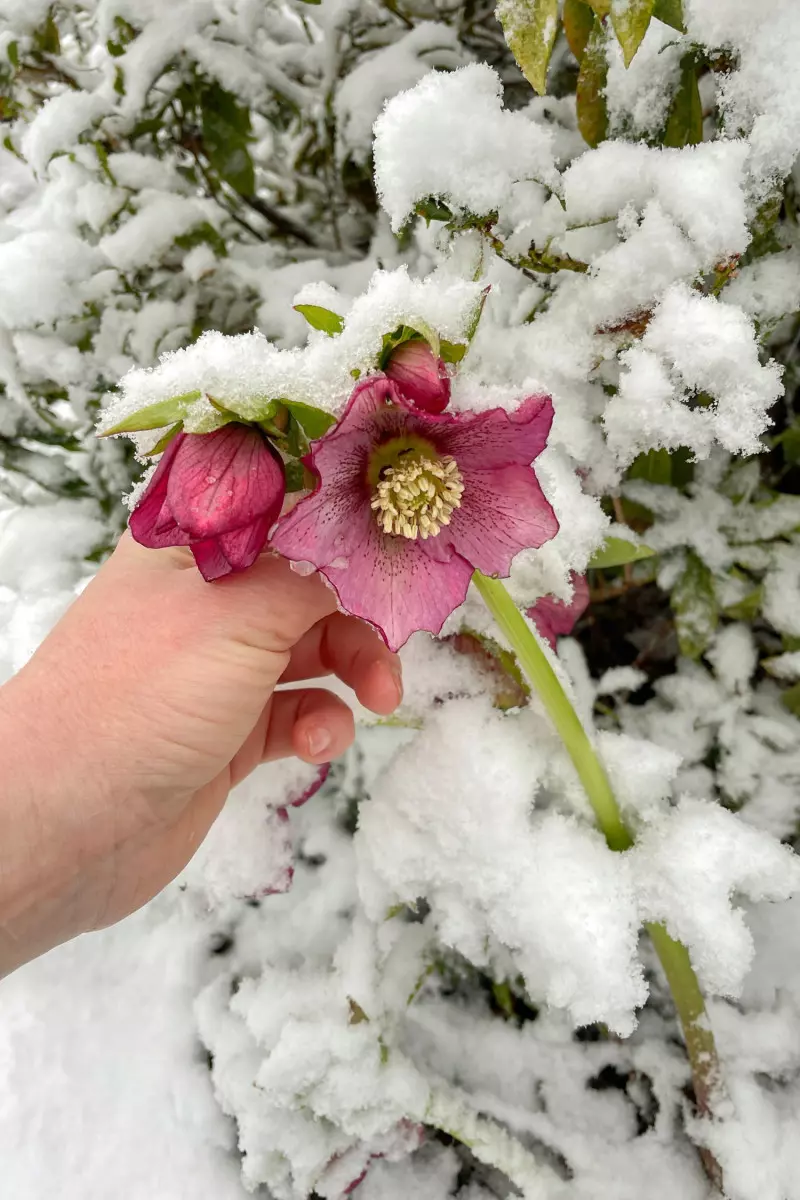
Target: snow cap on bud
218 493
420 376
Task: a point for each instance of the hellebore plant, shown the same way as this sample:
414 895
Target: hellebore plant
218 493
409 504
420 375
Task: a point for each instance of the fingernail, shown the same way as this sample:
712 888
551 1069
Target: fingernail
318 740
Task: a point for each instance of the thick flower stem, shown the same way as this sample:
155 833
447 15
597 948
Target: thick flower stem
686 993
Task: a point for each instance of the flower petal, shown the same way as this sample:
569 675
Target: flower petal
502 512
495 438
151 522
396 584
553 618
231 552
223 480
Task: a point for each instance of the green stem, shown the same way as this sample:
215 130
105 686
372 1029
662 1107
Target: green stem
686 993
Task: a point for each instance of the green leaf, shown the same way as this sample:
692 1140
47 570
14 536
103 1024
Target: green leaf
46 39
433 210
671 13
321 318
165 439
791 699
674 467
227 133
154 416
203 234
748 608
590 93
578 20
694 607
631 21
314 421
616 552
530 28
453 352
12 51
298 478
601 7
685 122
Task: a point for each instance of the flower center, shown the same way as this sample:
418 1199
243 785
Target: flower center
417 495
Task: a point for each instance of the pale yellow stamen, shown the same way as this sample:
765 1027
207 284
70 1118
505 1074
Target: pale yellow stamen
417 496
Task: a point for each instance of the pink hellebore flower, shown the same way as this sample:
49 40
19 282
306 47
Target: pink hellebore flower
218 493
420 376
553 618
408 505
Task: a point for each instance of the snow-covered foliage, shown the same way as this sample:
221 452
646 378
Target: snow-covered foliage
433 979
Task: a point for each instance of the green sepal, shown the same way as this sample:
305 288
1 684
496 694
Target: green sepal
164 440
314 421
155 416
321 318
617 552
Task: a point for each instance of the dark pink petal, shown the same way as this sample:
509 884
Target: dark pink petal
152 523
322 774
222 480
553 618
502 512
421 377
496 438
232 552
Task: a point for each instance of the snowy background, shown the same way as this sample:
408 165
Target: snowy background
455 998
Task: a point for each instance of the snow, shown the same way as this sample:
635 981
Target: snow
243 371
308 1004
379 76
688 867
543 888
103 1088
489 148
60 121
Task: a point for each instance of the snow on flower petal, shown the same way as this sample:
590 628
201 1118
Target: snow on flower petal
409 504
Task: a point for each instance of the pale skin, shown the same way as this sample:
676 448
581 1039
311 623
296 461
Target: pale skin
152 697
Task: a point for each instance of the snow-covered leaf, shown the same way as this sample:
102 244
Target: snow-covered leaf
630 19
154 416
530 27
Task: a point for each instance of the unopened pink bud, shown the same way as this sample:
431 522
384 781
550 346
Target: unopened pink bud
420 376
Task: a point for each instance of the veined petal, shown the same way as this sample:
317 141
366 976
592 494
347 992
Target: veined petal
396 584
151 523
223 480
231 552
502 512
496 438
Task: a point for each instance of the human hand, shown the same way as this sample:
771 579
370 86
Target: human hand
152 697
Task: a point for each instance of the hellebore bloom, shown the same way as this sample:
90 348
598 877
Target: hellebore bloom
553 618
408 505
218 493
421 377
